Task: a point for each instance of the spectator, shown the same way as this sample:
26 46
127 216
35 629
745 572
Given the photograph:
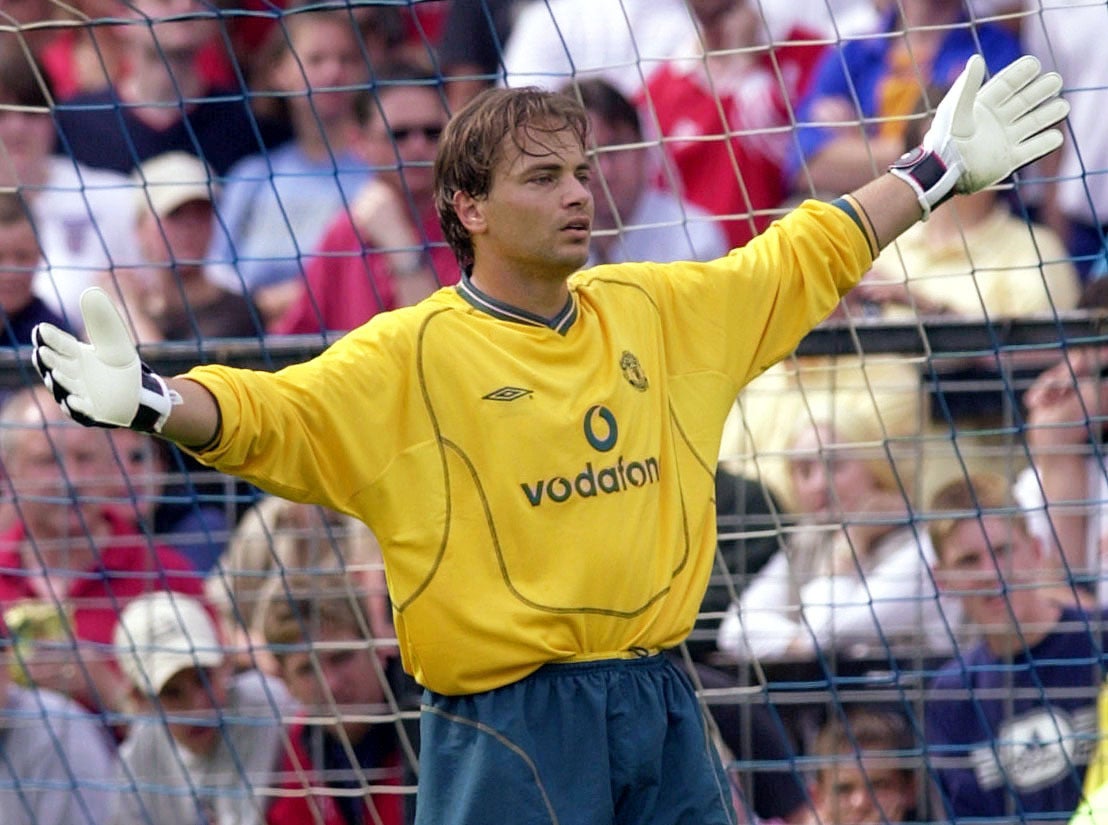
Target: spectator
56 763
276 205
471 47
389 250
323 640
1066 36
85 49
750 735
276 539
176 297
168 502
722 115
1065 486
748 516
453 468
973 258
207 742
854 573
162 104
20 308
72 559
80 213
634 221
851 121
561 40
1011 722
864 774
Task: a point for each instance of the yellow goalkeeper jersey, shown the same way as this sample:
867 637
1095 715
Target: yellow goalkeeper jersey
542 489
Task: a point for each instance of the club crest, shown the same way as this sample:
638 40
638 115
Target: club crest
632 371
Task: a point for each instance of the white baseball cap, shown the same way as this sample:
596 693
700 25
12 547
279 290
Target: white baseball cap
168 181
160 634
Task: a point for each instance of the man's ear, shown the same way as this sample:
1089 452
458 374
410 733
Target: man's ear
470 212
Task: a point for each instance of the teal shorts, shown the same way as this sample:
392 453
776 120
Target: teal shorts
612 742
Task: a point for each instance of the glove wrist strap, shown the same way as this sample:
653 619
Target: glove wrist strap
156 402
928 175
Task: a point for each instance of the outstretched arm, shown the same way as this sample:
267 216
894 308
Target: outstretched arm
979 136
196 421
105 383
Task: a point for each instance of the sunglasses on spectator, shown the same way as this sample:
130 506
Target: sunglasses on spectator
431 132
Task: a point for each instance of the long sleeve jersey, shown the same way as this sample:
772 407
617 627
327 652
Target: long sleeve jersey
542 489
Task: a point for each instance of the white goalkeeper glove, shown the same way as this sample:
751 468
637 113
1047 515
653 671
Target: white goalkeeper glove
103 383
981 134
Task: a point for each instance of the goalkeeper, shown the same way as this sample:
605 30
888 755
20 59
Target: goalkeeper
535 447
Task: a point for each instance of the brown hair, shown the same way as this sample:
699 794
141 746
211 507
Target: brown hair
473 145
867 732
971 497
310 602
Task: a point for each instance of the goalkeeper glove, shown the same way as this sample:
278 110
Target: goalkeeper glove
103 383
981 134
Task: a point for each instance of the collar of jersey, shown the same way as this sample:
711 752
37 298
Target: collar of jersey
560 323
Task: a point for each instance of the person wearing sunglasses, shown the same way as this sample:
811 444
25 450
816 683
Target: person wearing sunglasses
387 249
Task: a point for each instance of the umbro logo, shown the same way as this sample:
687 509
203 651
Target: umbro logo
507 394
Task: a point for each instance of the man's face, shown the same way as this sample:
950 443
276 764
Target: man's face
62 479
346 681
325 58
537 217
402 137
181 237
19 255
195 696
871 794
26 140
180 27
990 565
620 173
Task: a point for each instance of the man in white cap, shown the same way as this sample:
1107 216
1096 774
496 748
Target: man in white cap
207 742
173 297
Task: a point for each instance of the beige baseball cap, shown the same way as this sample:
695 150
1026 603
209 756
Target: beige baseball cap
160 634
168 181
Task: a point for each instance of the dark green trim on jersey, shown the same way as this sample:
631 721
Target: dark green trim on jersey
560 323
848 208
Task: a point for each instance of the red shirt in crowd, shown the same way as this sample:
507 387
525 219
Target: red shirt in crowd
348 282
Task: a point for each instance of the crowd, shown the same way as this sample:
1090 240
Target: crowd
176 647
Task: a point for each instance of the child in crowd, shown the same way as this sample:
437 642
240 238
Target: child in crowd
1014 719
207 742
864 773
321 636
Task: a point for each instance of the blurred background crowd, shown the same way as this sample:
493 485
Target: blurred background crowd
907 617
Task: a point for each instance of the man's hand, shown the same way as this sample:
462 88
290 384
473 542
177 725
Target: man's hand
981 134
102 383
